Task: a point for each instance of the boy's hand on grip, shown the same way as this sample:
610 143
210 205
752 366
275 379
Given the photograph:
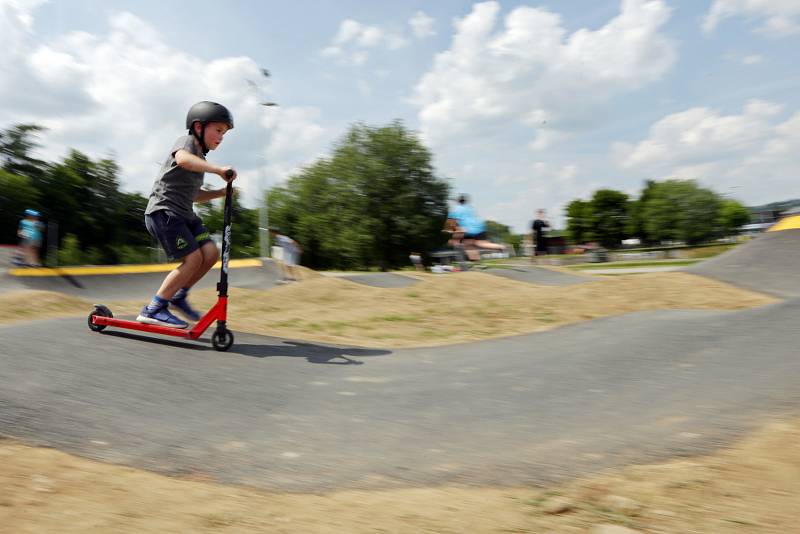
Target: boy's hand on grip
228 174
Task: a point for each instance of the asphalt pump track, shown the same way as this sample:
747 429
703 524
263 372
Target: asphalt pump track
297 416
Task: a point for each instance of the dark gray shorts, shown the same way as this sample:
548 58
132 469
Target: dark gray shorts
481 236
178 235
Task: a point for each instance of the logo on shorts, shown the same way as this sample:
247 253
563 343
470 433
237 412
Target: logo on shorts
181 243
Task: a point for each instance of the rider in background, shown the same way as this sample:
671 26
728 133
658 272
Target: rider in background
464 222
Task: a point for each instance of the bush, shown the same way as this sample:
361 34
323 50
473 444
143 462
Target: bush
69 253
129 255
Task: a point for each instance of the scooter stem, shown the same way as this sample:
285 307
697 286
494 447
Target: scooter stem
222 286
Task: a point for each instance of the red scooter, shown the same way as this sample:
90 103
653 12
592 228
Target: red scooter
222 339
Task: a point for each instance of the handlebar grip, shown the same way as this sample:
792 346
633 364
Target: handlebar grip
229 173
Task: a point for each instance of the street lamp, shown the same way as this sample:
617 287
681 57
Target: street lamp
263 232
263 215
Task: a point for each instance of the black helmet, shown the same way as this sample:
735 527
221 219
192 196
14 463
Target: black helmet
205 112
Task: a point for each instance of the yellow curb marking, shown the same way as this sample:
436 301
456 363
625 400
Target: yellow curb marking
120 269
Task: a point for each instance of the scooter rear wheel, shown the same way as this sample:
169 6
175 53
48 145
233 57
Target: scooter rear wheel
222 339
102 311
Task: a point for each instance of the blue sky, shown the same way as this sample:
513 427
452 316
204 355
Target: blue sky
524 104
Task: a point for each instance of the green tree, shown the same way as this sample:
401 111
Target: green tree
579 221
375 200
680 210
18 173
16 194
636 221
16 145
732 215
609 216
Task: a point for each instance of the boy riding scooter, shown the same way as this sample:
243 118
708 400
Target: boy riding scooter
169 216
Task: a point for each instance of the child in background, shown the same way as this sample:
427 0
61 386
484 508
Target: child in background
30 239
416 261
291 254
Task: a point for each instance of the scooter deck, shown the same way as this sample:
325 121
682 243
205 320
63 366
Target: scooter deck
144 327
217 313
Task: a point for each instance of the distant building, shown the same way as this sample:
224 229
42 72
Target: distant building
755 228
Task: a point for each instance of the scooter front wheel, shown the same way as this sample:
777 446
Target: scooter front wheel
222 339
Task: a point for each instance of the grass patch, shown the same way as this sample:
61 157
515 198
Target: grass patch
398 318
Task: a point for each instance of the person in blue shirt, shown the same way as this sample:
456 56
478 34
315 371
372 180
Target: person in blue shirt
469 229
30 239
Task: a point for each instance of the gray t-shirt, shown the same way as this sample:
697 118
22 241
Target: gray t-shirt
176 188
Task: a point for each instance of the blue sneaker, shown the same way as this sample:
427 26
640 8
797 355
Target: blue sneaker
160 316
182 304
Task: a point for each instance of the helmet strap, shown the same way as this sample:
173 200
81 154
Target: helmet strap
201 137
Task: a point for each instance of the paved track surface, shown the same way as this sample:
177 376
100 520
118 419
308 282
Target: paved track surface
301 416
295 416
770 263
538 275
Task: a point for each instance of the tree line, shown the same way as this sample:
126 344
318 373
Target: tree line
666 211
371 203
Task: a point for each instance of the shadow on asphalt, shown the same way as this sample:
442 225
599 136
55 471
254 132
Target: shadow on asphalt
157 340
313 353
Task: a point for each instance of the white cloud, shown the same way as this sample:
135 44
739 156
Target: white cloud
699 134
532 72
422 25
747 60
115 93
753 151
752 59
353 40
779 17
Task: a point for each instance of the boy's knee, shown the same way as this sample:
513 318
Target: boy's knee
210 255
193 260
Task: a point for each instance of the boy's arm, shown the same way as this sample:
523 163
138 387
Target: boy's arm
190 162
211 194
